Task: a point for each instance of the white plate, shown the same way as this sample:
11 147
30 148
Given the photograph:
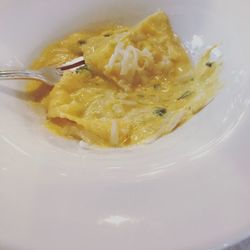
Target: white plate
189 190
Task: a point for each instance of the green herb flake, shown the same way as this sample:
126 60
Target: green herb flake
185 95
160 111
107 35
81 69
157 86
209 64
141 96
82 42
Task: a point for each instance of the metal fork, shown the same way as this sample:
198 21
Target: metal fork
49 76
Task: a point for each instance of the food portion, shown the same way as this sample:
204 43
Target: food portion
132 57
138 84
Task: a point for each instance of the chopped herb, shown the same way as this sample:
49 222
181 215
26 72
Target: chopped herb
141 96
80 69
209 64
185 95
157 86
160 111
107 35
82 42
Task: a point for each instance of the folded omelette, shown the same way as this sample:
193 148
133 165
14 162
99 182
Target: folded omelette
138 84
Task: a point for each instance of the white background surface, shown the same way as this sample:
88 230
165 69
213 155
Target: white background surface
189 190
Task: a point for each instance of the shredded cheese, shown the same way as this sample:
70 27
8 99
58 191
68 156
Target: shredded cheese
114 133
129 61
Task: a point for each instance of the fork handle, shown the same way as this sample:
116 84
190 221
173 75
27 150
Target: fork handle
20 74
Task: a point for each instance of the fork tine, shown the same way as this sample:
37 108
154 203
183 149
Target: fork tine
73 64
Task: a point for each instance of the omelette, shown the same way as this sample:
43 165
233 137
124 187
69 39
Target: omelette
138 84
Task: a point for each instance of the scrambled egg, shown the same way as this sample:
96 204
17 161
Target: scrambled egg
139 84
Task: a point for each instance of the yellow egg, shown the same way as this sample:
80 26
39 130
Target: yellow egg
139 84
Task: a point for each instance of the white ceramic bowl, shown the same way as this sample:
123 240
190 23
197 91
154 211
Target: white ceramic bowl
189 190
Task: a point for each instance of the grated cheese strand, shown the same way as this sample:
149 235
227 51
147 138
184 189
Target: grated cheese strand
114 133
